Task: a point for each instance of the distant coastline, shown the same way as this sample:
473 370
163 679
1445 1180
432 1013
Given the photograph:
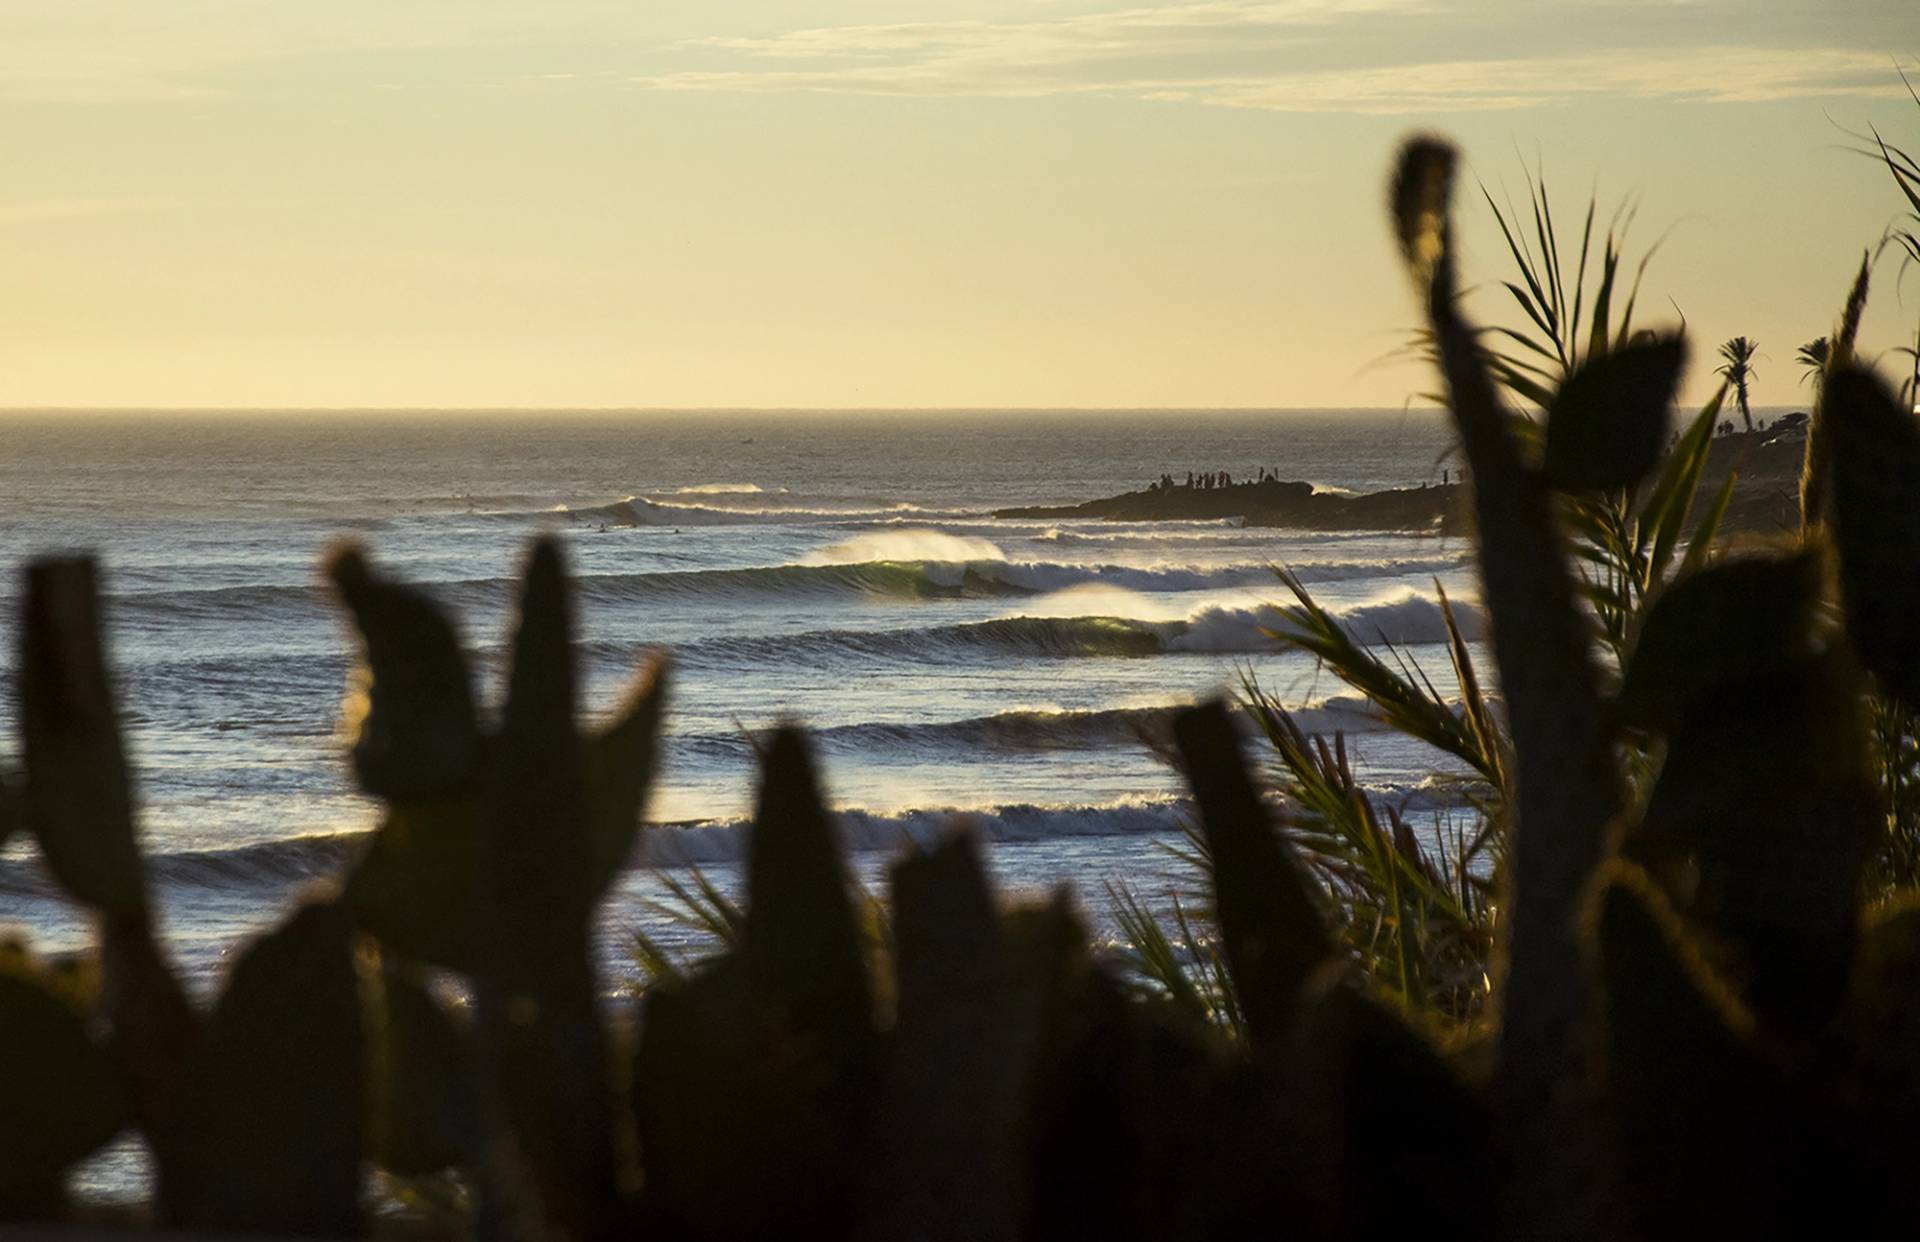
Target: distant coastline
1765 498
1274 502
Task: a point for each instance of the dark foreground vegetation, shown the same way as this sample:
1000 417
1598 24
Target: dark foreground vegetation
1666 983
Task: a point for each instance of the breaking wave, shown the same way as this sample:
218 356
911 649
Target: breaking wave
297 860
724 489
717 841
1023 729
293 860
829 571
747 509
1404 619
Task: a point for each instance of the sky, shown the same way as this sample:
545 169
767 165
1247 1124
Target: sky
474 203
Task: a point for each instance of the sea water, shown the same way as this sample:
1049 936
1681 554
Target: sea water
840 570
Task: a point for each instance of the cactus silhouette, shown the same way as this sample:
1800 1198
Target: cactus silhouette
1608 422
1875 462
424 1112
63 1097
760 1065
269 1117
1565 784
415 731
1273 933
79 804
965 1048
1690 1095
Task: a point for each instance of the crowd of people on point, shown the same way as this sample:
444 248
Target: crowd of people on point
1209 480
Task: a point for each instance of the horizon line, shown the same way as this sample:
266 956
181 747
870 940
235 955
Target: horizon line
10 410
706 409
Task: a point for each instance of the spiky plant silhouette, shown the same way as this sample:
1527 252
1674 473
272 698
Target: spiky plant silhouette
1905 170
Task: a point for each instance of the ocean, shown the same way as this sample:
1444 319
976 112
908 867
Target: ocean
840 570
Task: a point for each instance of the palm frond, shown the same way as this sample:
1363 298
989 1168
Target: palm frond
1186 968
1404 699
1417 916
693 902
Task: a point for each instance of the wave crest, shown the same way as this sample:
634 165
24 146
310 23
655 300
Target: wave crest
293 860
719 841
775 509
1027 729
274 865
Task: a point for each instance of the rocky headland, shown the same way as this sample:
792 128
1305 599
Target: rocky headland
1765 498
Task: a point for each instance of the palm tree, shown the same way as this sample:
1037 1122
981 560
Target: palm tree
1812 358
1738 370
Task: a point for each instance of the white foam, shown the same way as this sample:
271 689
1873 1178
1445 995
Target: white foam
1404 618
1223 629
907 545
1101 599
1408 616
719 489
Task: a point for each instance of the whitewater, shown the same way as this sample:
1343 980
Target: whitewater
844 571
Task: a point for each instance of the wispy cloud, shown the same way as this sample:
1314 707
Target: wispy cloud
1408 56
1384 56
1708 74
1159 30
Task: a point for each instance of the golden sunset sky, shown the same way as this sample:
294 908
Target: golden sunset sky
383 203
